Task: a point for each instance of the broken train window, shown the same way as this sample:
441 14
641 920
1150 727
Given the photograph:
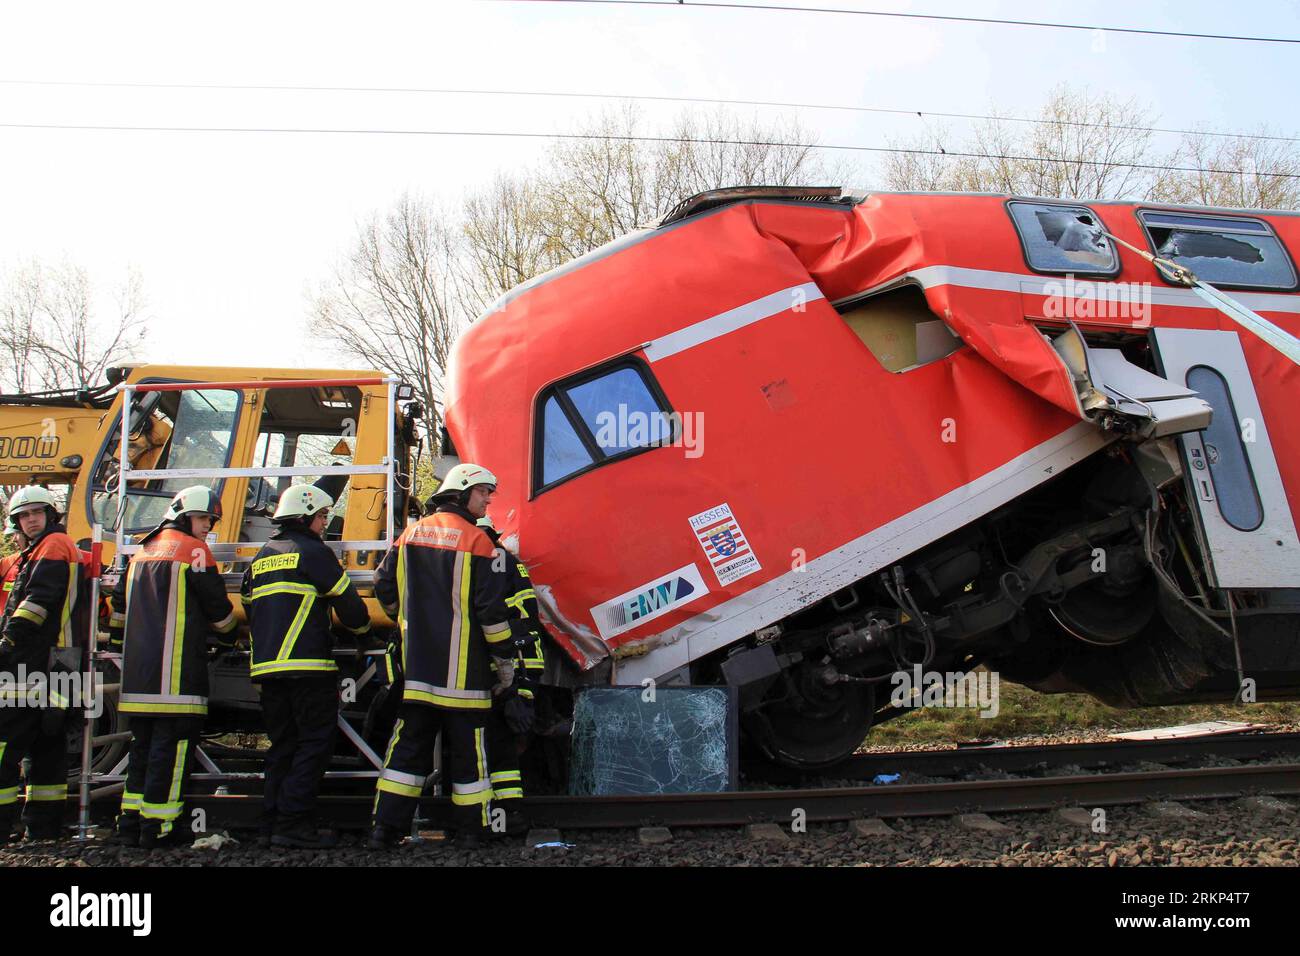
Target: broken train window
599 416
1058 238
1221 249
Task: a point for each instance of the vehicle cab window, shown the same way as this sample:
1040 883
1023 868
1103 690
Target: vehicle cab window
303 427
168 430
598 417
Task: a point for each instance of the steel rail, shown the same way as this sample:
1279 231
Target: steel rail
821 805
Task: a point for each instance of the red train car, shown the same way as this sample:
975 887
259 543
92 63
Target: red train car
801 442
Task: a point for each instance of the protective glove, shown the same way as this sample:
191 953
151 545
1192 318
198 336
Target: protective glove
505 675
8 650
519 713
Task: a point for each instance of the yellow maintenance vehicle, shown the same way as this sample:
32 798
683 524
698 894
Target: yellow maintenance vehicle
317 422
249 434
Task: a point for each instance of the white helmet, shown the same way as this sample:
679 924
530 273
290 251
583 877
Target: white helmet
301 501
194 500
464 476
29 498
486 522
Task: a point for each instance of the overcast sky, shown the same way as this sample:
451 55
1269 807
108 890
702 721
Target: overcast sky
231 229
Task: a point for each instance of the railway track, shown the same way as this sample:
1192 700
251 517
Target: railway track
229 800
827 804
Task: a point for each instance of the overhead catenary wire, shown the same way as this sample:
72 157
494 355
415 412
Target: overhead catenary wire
783 8
623 137
636 97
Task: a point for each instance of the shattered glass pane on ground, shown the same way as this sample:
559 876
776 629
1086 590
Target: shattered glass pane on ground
681 741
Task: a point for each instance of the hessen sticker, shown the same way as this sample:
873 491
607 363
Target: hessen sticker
724 544
649 601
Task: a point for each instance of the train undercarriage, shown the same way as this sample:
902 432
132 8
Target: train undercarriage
1093 583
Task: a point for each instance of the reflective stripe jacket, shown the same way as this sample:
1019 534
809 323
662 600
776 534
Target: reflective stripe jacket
38 617
165 606
8 573
442 585
524 622
288 590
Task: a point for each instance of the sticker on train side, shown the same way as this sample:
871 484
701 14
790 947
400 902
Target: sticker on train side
724 544
649 601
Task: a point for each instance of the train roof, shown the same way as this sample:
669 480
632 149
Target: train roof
691 209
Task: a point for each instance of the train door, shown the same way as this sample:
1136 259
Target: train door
1231 472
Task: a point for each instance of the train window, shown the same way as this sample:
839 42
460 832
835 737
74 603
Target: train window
1221 249
562 450
599 417
619 409
1225 453
1059 238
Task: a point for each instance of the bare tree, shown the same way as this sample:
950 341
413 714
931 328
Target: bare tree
1089 146
1240 171
390 304
57 333
1084 146
20 328
1095 145
507 241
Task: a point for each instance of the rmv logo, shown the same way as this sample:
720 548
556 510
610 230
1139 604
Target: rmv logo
653 599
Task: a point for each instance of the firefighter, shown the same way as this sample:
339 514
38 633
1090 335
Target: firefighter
167 606
512 716
289 589
445 586
38 637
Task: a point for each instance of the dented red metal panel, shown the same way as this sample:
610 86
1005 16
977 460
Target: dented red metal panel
810 442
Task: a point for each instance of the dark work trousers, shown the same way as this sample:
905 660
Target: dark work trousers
410 759
158 768
301 716
39 733
507 782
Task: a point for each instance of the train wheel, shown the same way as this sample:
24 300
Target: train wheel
808 725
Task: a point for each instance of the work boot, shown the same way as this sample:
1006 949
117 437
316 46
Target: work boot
127 830
384 837
152 839
44 830
303 835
